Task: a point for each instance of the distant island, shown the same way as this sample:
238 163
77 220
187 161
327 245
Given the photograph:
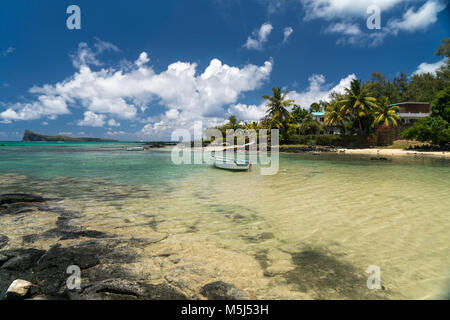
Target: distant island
33 136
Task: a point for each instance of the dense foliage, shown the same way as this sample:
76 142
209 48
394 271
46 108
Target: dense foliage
435 128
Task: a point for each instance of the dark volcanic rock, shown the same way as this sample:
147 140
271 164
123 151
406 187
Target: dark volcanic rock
223 291
94 234
52 266
3 240
16 203
103 272
19 197
16 208
49 269
118 289
3 259
17 264
21 259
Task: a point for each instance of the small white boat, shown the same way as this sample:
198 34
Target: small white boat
232 164
135 149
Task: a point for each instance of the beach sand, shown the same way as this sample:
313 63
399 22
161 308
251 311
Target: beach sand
396 152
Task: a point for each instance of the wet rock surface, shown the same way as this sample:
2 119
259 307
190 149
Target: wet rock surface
104 274
223 291
48 269
19 197
103 260
119 289
65 228
17 203
3 241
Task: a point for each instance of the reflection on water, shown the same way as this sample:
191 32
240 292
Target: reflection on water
310 231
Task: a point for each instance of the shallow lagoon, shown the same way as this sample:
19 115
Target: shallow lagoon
310 231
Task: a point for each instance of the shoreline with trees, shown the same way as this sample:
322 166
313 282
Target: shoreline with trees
365 116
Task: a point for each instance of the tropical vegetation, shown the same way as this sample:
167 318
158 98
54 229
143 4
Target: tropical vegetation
365 113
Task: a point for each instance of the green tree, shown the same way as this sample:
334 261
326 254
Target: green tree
401 85
277 109
315 107
310 126
233 123
443 72
434 129
380 86
335 116
386 114
299 114
359 103
441 105
424 87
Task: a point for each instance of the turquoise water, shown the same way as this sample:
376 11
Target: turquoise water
108 160
274 236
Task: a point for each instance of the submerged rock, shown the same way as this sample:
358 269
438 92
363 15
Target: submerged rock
18 289
119 289
16 208
65 229
16 203
19 197
223 291
3 240
3 259
49 268
21 259
258 237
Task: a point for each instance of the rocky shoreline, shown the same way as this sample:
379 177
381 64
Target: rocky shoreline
30 273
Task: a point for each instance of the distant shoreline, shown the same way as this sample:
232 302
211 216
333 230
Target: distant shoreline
376 152
367 151
396 152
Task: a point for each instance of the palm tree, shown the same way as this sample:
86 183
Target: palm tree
358 102
277 105
335 117
251 126
385 113
315 107
233 123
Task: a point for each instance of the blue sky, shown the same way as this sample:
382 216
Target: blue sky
138 70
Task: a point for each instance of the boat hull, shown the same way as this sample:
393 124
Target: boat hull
231 166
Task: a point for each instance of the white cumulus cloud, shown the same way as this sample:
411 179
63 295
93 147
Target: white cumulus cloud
419 19
287 32
429 67
113 123
248 112
348 17
331 9
259 37
351 29
92 119
49 106
129 93
319 90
